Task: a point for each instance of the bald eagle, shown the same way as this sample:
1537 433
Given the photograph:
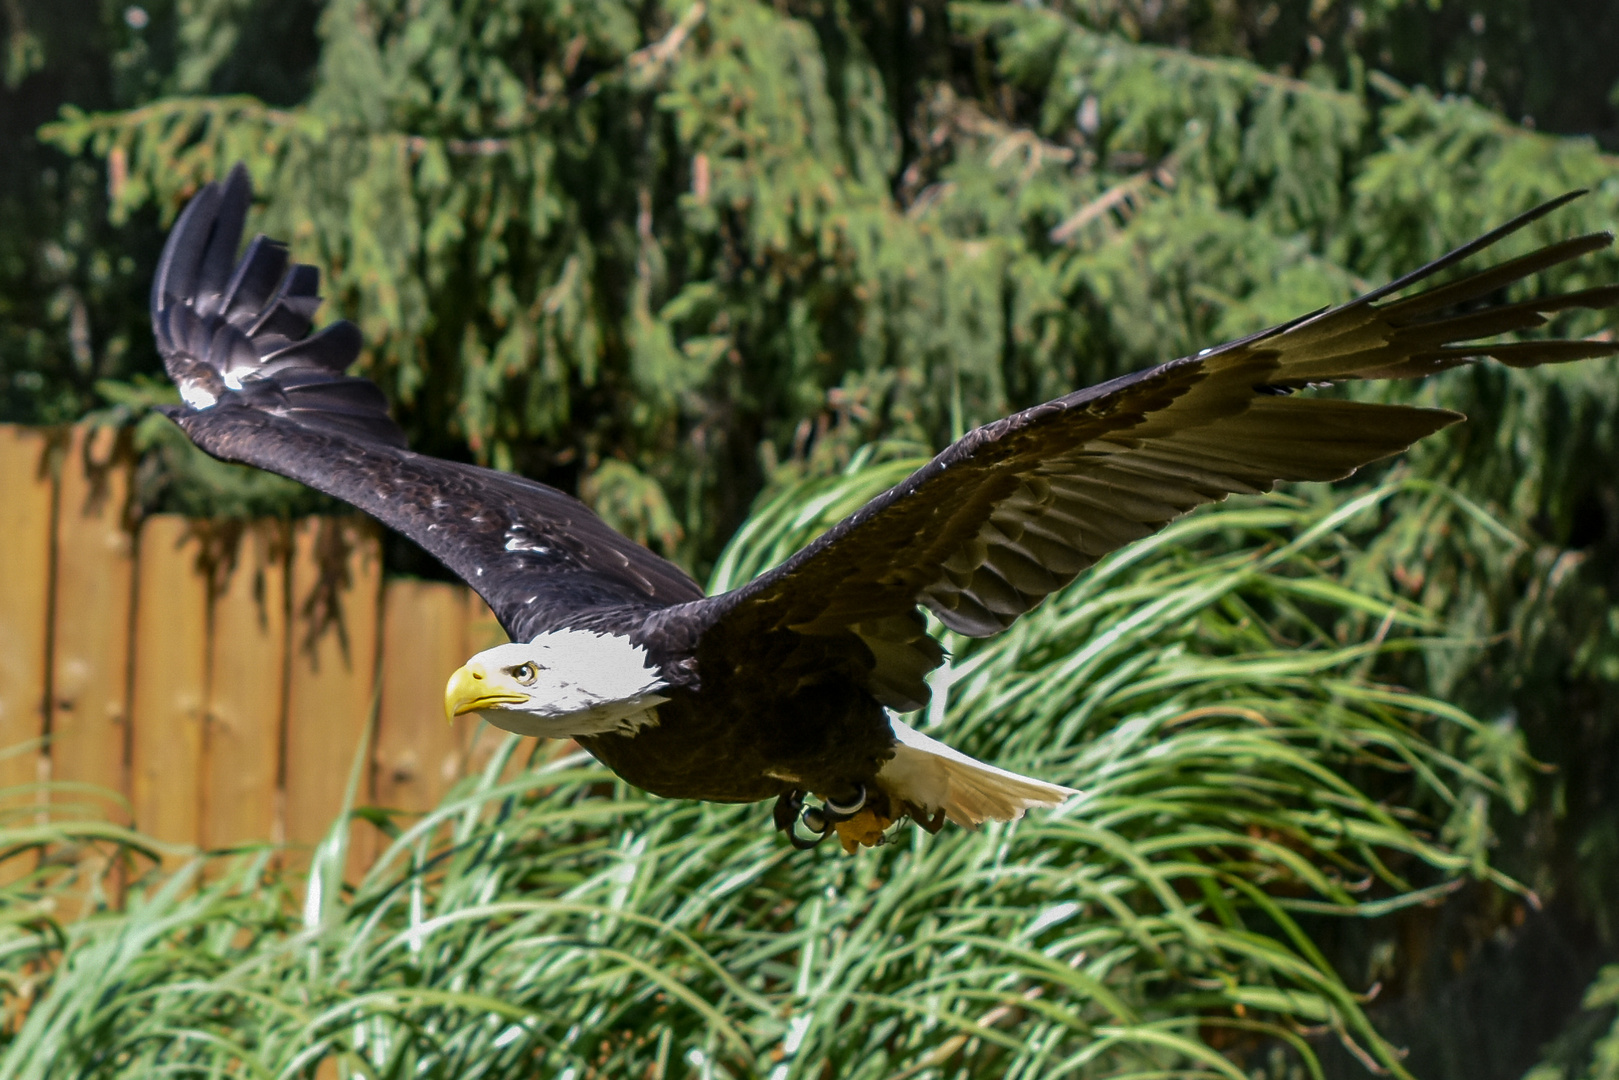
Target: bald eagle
789 686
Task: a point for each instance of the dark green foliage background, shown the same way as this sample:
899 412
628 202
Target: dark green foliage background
669 254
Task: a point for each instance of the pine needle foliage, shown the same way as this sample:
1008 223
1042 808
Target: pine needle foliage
689 236
1214 692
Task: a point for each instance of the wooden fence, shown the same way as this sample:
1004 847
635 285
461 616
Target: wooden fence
219 677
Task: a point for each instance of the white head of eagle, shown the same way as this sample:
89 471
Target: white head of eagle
560 685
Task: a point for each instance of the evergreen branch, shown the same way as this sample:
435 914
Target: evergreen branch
660 53
1121 196
1246 71
487 147
646 65
169 109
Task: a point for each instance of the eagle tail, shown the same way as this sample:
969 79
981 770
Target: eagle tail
929 779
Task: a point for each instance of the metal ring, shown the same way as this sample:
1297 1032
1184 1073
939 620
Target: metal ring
849 810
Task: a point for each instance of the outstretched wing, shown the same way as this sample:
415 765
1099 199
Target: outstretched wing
1015 509
260 389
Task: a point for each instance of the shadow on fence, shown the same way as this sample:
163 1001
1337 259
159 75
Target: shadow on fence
219 676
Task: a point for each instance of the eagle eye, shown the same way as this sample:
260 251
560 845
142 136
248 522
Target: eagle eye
526 673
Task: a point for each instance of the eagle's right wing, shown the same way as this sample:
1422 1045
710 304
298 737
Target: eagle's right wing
259 389
1015 509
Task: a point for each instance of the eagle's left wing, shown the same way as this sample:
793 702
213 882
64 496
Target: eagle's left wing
1014 510
259 389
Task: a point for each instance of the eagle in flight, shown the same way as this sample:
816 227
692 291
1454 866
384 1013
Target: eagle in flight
789 686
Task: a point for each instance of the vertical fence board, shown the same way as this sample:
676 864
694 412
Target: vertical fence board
170 681
483 629
246 692
26 497
424 633
330 691
90 652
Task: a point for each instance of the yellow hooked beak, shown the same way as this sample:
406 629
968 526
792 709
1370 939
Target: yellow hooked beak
469 690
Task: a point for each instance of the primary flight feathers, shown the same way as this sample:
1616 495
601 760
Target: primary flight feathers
1001 518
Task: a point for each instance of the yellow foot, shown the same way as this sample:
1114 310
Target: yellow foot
865 828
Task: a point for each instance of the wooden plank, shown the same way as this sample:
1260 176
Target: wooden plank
95 576
27 502
336 582
247 680
424 631
169 695
483 629
27 494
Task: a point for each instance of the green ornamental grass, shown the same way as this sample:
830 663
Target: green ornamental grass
1214 691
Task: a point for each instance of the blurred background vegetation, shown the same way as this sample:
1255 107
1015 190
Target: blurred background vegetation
686 258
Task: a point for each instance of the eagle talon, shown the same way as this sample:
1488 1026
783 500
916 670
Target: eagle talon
788 806
807 826
813 820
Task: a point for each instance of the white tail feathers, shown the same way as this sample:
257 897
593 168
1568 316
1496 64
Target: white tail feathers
930 775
